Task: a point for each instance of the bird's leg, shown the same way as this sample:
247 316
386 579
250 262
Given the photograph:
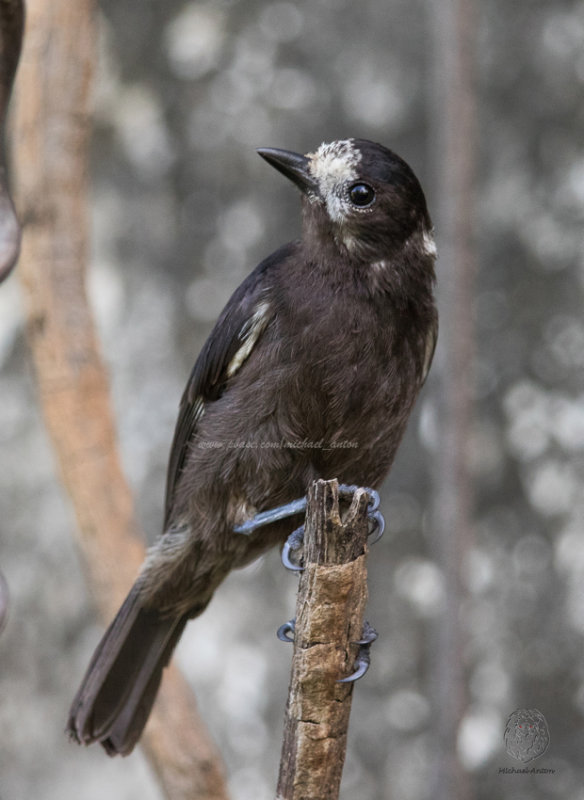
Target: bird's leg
273 515
295 539
294 543
364 655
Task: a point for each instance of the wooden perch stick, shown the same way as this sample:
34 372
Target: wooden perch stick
329 619
52 128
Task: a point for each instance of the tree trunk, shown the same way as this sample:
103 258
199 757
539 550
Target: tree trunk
52 129
454 131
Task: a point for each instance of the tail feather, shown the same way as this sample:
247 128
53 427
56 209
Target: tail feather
119 688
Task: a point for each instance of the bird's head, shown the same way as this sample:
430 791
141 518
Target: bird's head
358 195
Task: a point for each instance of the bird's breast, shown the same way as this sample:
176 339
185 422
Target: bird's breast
345 375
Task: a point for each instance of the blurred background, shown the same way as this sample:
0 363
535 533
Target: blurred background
182 210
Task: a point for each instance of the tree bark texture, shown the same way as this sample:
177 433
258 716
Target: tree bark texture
329 619
51 133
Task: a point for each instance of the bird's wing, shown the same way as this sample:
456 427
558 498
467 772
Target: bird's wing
240 325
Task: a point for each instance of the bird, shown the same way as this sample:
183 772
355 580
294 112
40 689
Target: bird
311 371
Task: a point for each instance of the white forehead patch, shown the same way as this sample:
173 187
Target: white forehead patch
334 165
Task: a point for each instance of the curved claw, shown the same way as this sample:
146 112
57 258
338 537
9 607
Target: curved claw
362 663
292 543
378 526
374 500
285 629
369 634
363 660
286 561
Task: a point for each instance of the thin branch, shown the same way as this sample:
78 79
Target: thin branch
455 134
329 619
52 127
11 28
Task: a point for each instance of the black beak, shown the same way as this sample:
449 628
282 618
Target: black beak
293 166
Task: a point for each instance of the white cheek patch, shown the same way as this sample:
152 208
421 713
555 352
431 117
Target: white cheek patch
333 166
337 207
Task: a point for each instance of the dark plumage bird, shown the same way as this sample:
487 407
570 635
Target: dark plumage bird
310 372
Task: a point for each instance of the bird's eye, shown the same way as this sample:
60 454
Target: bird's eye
361 195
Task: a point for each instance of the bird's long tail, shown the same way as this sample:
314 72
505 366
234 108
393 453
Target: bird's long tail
119 688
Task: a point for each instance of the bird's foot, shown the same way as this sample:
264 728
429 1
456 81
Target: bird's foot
363 659
291 545
376 519
299 506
